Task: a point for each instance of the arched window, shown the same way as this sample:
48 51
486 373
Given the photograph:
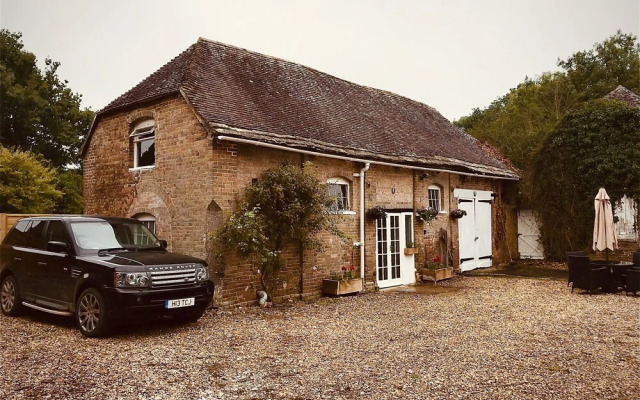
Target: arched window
435 197
144 144
149 221
339 191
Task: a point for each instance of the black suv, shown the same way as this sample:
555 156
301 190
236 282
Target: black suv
103 270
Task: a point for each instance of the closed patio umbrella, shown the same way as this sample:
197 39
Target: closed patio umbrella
604 235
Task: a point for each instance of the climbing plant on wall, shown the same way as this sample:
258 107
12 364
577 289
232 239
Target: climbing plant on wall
286 206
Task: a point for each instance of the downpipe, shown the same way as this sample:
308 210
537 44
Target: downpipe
362 176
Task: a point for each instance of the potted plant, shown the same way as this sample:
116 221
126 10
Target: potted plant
410 249
376 212
436 271
427 214
344 282
457 213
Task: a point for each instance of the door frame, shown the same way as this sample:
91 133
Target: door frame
392 249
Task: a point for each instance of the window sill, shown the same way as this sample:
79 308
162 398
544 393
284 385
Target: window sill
345 212
442 212
142 168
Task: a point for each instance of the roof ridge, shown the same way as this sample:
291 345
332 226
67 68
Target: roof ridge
289 62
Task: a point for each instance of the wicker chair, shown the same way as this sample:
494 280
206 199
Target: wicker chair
632 275
584 276
573 253
632 284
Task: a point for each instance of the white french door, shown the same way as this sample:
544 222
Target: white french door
393 233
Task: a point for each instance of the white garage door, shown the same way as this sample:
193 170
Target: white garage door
474 229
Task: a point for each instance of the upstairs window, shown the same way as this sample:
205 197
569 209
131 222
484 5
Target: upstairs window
144 144
435 197
339 192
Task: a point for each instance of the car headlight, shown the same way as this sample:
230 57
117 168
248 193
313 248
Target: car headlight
131 279
201 273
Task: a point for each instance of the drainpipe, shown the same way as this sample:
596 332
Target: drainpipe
362 171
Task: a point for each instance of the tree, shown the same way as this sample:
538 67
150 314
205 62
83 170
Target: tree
598 71
38 112
287 206
519 122
70 185
27 185
595 146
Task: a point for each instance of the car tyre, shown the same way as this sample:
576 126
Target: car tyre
91 313
10 301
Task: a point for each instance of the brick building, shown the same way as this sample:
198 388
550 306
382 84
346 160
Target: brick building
177 149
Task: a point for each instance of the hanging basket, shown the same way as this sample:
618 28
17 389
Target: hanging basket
457 213
427 214
376 212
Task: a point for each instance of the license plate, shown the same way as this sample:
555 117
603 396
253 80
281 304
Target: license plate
180 303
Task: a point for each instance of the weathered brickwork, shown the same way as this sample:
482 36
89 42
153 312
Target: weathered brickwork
197 180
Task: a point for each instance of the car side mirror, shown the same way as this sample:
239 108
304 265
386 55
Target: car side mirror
164 243
58 247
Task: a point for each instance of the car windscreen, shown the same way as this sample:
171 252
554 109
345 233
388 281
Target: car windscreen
98 235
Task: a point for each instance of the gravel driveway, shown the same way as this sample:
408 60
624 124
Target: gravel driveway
477 337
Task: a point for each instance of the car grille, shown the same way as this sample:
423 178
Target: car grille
172 275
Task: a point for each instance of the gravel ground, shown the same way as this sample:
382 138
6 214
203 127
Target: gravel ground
472 337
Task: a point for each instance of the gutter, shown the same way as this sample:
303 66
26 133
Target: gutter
358 160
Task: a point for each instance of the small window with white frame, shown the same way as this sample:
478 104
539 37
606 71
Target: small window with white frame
149 222
435 197
339 191
144 144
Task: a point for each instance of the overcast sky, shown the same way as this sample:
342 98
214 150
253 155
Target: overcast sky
452 55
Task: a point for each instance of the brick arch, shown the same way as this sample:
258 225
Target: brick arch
149 199
138 115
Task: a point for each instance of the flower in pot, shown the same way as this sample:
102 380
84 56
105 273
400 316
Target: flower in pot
457 213
435 263
427 214
344 282
345 274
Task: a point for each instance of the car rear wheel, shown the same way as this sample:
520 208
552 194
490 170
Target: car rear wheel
91 314
10 302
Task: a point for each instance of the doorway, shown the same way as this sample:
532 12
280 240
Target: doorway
474 229
393 233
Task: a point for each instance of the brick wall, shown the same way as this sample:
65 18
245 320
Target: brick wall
197 180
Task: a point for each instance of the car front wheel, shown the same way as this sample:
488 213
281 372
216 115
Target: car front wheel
10 302
91 314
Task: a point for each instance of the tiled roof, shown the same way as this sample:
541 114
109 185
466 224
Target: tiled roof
621 93
249 95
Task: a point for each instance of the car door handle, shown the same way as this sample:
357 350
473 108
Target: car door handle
17 259
42 264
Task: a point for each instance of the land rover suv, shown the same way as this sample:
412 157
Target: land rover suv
101 270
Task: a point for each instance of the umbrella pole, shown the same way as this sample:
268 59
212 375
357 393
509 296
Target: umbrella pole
606 253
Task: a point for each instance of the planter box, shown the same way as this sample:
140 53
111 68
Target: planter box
337 288
437 274
410 250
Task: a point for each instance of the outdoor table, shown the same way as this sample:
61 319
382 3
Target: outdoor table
616 273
